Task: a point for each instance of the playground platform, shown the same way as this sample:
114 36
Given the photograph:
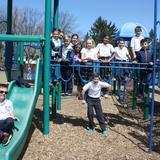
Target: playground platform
68 138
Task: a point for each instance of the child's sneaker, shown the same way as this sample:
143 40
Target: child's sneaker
90 131
104 133
6 138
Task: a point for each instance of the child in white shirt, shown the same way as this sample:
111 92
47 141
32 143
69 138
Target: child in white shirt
121 52
105 50
135 41
122 55
89 53
56 46
93 101
7 117
106 53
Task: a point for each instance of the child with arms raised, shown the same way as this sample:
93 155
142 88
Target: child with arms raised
93 90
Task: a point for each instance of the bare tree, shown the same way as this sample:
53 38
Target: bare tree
3 22
3 27
67 23
27 21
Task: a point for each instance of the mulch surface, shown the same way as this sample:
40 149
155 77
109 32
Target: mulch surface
68 138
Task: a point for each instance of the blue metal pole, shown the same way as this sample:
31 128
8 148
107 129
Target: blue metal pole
54 107
153 73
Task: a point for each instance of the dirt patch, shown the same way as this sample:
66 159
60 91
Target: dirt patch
69 140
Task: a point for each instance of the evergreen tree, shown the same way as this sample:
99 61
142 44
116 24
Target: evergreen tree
151 34
151 37
101 28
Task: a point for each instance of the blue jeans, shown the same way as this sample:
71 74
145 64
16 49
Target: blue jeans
96 104
120 71
6 126
145 78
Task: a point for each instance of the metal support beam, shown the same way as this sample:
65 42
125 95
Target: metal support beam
153 74
56 14
48 4
9 45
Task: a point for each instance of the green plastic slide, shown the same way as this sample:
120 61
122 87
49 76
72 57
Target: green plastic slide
24 102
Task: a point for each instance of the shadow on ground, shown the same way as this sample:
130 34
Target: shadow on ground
125 117
126 114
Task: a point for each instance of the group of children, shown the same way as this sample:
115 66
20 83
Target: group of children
71 51
68 50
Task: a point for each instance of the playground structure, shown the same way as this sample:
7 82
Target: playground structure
16 94
127 31
119 84
23 103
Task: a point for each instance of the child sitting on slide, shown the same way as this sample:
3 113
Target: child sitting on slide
7 117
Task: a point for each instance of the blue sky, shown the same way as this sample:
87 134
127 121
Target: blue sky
87 11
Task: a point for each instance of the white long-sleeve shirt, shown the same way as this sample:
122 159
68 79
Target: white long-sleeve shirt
94 90
121 53
89 53
6 109
105 50
136 43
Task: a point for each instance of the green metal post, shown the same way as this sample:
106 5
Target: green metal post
48 4
9 45
59 96
134 100
119 88
40 56
54 107
56 14
146 102
16 60
114 86
135 88
21 49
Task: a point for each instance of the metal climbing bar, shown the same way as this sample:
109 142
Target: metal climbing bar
21 38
